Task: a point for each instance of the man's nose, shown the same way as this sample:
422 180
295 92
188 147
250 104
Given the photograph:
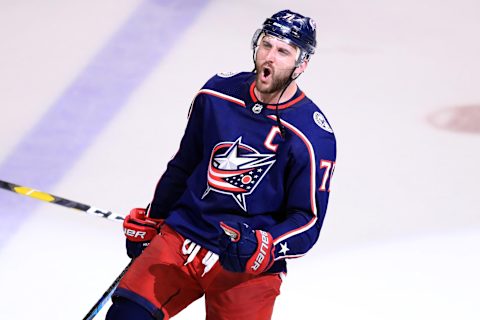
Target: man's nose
270 56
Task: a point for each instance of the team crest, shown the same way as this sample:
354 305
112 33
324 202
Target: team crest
236 169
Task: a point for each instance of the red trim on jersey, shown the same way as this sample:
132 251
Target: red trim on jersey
222 96
281 105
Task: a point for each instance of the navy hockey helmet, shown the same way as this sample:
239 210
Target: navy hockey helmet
292 28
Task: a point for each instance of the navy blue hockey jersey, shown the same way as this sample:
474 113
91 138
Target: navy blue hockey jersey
234 165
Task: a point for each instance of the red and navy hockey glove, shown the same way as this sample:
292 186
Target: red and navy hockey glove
243 249
139 231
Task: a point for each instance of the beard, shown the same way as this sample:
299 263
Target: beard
269 80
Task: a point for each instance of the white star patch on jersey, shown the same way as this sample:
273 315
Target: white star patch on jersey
236 169
284 248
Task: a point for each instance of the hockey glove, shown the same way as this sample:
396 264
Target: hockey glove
139 231
243 249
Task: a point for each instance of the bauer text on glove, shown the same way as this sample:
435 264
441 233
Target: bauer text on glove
139 231
243 249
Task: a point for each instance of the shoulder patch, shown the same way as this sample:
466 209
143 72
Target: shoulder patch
227 74
321 121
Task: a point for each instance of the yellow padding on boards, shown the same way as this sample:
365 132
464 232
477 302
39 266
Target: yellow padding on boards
34 193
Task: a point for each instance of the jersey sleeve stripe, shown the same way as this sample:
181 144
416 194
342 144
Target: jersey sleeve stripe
313 205
222 96
289 256
292 233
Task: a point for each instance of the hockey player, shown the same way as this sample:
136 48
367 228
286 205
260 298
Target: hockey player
247 190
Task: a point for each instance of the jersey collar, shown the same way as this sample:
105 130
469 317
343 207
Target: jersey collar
298 96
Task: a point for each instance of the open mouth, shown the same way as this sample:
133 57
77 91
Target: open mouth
266 72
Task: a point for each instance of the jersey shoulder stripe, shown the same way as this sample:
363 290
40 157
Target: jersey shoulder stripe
234 86
221 96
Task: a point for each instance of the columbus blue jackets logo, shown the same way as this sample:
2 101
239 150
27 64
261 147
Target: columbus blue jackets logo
236 169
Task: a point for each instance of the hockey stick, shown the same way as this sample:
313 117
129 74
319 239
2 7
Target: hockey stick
43 196
106 296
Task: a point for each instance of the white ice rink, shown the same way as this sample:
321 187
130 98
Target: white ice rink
93 102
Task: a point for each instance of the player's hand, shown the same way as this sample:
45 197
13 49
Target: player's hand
243 249
139 231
